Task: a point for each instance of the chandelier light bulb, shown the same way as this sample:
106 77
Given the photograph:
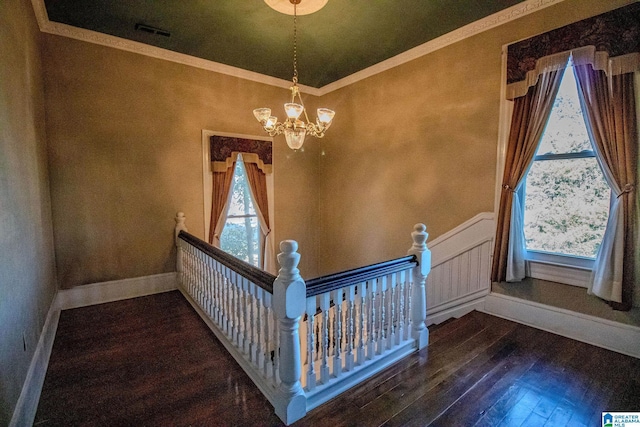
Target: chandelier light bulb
271 122
325 116
262 114
293 110
295 137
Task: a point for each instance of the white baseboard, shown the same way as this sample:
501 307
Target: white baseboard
98 293
27 405
618 337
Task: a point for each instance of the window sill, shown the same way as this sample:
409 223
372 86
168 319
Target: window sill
560 273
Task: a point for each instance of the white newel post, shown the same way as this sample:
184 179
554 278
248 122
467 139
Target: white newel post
289 303
418 296
180 226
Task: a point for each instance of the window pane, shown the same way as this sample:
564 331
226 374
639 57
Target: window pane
566 131
240 238
566 206
241 203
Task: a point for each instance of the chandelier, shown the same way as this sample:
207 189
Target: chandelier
293 128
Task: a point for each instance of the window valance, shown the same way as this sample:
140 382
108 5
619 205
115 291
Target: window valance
610 42
225 150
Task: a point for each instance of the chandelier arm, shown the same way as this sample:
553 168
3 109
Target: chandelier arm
294 128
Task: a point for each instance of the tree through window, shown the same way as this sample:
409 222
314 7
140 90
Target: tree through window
240 236
566 198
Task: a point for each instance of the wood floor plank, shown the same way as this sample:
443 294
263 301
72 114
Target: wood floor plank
152 361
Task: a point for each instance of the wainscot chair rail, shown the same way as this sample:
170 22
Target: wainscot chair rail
304 343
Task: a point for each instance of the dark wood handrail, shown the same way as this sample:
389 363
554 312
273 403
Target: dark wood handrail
335 281
316 286
254 274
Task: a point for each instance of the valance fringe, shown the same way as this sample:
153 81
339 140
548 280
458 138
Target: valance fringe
622 64
222 166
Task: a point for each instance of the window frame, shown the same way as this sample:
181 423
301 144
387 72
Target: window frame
543 257
207 177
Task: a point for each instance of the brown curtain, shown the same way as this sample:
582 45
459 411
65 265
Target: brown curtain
530 115
258 183
609 106
221 188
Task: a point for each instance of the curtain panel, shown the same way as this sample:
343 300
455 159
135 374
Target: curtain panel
258 186
530 114
610 110
220 202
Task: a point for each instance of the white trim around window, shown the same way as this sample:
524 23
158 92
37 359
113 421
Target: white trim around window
566 269
207 185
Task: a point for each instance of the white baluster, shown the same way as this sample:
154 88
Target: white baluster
337 332
217 293
409 294
259 350
246 286
419 299
392 311
311 343
382 339
234 305
268 363
324 366
220 279
201 284
289 301
350 296
401 306
252 322
276 347
371 318
240 310
225 298
209 276
361 323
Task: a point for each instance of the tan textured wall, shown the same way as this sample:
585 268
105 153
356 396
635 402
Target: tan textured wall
125 155
27 270
418 143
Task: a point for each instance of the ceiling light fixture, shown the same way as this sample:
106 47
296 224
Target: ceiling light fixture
293 128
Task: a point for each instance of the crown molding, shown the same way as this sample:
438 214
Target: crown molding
514 12
504 16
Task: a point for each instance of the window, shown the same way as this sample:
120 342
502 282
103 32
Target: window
566 198
241 233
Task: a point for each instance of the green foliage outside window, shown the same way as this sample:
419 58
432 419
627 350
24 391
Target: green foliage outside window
240 236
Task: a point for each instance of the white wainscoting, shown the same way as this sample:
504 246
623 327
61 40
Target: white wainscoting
460 269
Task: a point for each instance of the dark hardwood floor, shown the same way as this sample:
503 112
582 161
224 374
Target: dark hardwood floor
152 362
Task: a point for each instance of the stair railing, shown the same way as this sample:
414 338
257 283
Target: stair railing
304 343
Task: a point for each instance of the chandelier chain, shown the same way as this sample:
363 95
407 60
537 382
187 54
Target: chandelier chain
295 44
